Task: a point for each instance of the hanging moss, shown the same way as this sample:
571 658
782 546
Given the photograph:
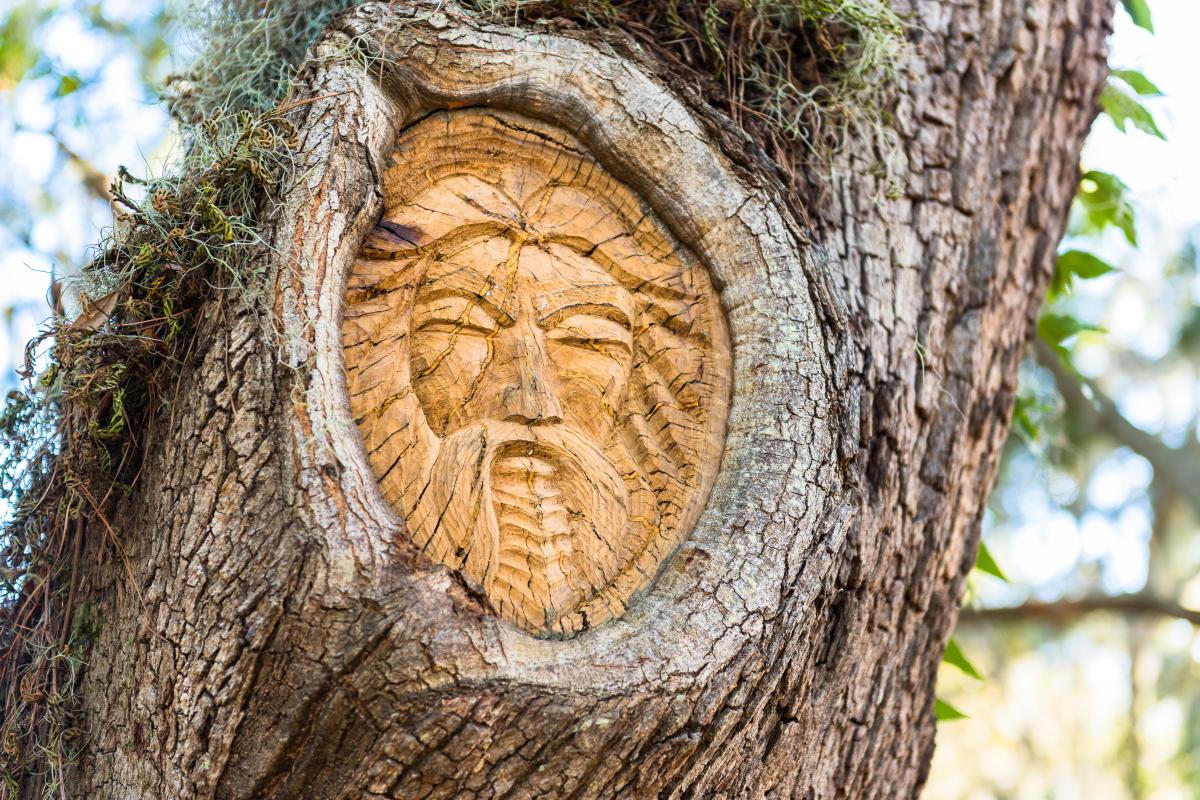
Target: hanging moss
802 76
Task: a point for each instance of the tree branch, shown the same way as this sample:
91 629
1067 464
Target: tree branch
97 182
1177 468
1066 612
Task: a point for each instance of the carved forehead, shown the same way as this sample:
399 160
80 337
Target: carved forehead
507 160
459 175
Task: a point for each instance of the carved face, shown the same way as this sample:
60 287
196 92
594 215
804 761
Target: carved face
506 329
538 369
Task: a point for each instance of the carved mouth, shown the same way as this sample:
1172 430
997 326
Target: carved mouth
536 515
527 497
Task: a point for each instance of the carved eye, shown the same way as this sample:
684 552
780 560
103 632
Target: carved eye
454 328
588 332
454 315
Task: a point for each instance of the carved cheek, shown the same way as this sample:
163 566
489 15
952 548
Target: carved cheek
445 367
592 386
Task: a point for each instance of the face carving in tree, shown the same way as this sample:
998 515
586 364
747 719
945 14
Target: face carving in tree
538 369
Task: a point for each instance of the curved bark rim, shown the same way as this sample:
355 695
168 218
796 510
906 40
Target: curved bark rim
766 529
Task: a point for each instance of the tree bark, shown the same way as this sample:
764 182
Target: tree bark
285 640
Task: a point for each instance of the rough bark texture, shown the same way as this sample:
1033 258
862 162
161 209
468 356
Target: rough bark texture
284 640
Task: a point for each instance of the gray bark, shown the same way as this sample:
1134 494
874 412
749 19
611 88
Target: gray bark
285 641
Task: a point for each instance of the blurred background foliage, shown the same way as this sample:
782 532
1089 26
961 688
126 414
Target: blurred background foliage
1086 659
1075 670
78 98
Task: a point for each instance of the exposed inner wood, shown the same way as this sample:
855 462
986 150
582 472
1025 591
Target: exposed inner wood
539 371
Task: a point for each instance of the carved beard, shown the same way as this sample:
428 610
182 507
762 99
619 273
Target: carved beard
542 513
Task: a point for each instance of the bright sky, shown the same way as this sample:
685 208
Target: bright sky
124 129
1164 177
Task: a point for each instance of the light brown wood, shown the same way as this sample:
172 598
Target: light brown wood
538 369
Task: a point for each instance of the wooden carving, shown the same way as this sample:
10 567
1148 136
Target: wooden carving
537 367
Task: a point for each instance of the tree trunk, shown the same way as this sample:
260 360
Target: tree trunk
285 637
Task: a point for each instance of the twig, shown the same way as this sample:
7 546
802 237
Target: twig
1066 612
96 181
1177 468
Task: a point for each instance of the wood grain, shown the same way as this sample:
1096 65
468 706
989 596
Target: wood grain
538 369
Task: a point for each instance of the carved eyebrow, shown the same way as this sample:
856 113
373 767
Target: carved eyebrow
591 330
391 239
458 310
471 285
585 303
482 301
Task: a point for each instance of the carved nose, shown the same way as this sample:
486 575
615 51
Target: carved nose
532 400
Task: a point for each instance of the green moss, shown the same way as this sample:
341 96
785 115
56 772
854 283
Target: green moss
804 76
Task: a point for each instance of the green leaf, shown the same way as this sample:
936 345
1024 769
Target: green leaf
985 563
18 54
1105 201
1138 82
1024 420
1105 182
1085 265
955 657
1056 328
1124 109
944 712
68 84
1076 264
1139 12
